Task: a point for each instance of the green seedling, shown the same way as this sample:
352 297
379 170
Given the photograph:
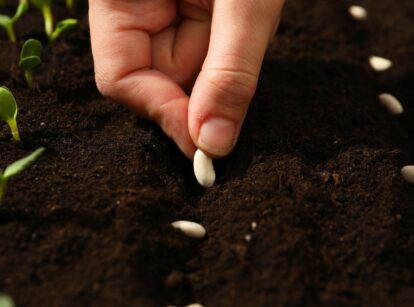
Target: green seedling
45 6
69 4
16 168
30 57
63 28
6 301
8 111
8 22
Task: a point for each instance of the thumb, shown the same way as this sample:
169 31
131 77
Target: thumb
227 82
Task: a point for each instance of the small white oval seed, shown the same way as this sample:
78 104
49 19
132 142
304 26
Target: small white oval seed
379 64
190 229
204 169
254 225
408 173
195 305
358 12
391 103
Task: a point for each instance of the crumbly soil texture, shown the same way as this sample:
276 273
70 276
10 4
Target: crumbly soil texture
317 168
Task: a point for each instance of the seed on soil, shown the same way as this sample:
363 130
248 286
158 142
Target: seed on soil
254 225
391 103
408 173
190 229
379 64
358 12
204 169
248 238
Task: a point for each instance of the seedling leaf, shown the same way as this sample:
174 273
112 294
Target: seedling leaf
17 167
30 62
8 110
63 27
6 301
30 58
30 54
8 105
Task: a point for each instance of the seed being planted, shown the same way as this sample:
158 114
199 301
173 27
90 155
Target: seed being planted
408 173
190 229
204 169
358 12
391 103
379 64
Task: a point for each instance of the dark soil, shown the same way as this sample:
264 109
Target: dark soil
317 168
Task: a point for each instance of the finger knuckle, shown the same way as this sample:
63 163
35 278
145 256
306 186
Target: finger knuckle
235 83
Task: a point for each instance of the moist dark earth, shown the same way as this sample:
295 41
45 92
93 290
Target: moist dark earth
317 168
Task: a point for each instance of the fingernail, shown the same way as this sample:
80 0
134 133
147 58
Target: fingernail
217 136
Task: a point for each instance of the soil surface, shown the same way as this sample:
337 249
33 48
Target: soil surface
317 168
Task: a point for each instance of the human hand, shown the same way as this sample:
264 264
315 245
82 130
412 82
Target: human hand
146 58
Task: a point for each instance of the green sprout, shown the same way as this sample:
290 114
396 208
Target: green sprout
8 22
45 6
30 58
16 168
69 4
6 301
63 28
8 111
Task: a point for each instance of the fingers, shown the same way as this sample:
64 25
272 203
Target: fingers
121 46
228 79
179 51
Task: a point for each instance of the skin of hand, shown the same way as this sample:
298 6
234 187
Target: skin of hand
149 54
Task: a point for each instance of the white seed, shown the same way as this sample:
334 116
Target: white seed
408 173
254 225
195 305
204 169
379 64
248 238
190 229
391 103
358 12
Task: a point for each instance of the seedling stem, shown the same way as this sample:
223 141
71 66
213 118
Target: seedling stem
2 188
8 22
28 74
47 15
14 129
69 4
